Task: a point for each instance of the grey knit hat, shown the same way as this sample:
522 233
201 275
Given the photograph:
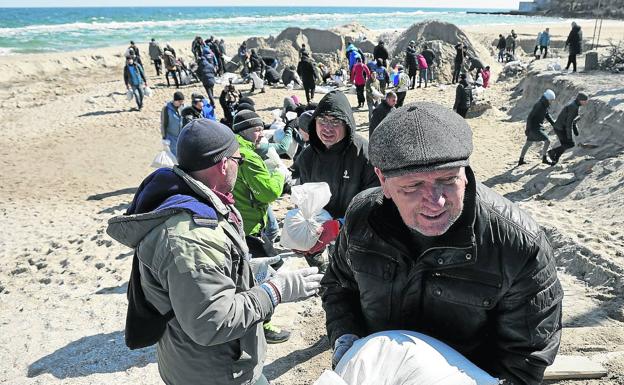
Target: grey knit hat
203 143
246 119
420 137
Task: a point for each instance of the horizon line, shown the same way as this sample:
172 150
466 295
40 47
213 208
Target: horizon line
241 6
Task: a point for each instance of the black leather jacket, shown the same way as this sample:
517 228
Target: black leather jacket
488 287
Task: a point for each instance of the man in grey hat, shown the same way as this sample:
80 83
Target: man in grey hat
565 125
193 289
434 251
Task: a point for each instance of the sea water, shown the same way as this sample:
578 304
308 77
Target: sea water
30 30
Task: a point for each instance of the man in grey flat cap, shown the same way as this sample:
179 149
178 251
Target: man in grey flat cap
434 251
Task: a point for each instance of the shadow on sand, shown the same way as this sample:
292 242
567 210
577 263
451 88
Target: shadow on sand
100 353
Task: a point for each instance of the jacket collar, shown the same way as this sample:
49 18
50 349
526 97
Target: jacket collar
203 191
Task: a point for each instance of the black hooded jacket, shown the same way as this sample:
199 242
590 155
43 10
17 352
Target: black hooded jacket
380 52
344 166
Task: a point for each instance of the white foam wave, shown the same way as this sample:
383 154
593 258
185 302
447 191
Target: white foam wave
5 51
114 25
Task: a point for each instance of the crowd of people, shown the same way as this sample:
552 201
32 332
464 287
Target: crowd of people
418 244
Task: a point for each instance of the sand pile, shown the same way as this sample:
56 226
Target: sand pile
442 37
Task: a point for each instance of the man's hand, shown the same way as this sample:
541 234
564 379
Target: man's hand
342 344
292 286
261 267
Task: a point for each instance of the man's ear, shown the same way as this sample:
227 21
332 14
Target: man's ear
223 166
382 181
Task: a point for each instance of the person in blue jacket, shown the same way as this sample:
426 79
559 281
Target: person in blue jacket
544 42
134 77
171 121
207 72
353 53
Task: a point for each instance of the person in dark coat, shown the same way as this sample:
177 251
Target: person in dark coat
228 100
411 62
290 75
430 57
381 111
475 64
463 97
460 55
206 72
565 125
380 52
336 155
271 76
535 131
435 251
502 44
574 44
305 69
194 111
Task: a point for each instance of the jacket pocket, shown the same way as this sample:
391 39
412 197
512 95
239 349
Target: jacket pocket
479 290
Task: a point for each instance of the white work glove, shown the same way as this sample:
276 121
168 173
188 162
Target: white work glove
295 285
261 267
342 344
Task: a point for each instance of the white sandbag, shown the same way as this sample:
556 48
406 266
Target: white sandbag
148 92
329 378
129 94
291 115
258 83
302 225
377 95
164 158
323 89
267 134
402 357
554 66
278 136
277 114
277 125
184 78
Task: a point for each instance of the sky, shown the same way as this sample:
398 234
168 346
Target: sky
501 4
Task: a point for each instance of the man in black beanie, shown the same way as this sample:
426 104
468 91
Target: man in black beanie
565 125
434 251
193 289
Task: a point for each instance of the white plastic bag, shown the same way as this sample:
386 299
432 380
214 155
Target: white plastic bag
377 95
302 225
165 158
258 83
185 78
402 357
147 91
130 94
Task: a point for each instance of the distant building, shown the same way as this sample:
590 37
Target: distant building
533 6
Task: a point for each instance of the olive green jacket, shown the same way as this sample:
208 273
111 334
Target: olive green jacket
201 271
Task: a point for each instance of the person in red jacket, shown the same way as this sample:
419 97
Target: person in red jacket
359 74
486 77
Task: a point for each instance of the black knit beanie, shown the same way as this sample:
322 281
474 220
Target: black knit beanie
246 119
204 143
420 137
245 106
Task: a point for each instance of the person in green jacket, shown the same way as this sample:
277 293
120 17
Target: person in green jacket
256 187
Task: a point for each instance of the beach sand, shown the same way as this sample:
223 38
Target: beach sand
73 154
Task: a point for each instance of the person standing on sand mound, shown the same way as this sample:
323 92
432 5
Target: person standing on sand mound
193 290
535 131
434 251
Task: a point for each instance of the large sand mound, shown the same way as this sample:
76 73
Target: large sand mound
442 38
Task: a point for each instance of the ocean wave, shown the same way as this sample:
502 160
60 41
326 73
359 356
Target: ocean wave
6 51
113 25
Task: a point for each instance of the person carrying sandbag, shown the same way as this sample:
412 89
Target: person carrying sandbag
135 80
